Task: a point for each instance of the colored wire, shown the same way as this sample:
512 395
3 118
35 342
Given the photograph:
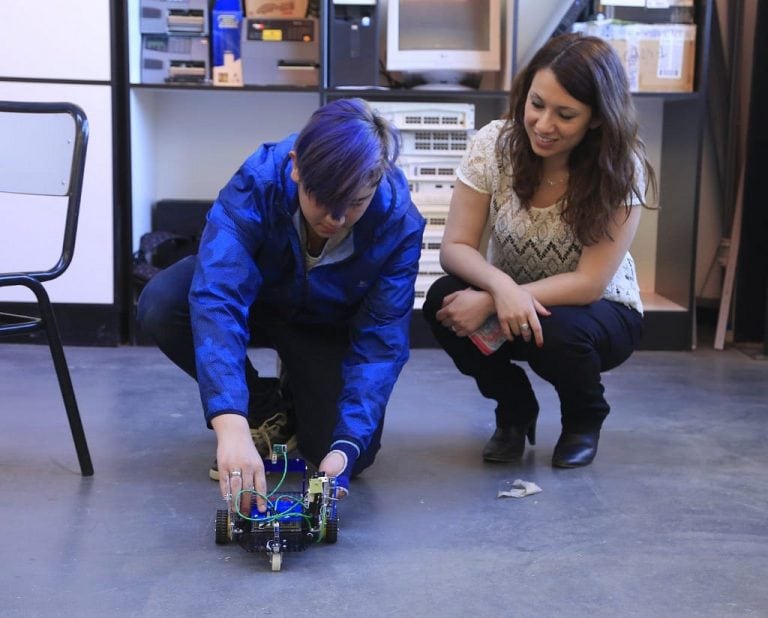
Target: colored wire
285 473
270 504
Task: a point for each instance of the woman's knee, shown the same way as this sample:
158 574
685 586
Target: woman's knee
601 328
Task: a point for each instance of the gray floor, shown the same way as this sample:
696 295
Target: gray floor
670 520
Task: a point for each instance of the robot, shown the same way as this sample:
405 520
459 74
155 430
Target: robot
293 521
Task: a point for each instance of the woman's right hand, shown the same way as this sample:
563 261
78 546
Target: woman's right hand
240 465
518 312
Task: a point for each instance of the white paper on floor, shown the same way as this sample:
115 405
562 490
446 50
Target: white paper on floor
518 489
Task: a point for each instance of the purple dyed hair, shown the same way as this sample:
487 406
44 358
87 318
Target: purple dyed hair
345 148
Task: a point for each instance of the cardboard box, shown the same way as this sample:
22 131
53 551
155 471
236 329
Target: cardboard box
656 57
660 58
284 9
226 22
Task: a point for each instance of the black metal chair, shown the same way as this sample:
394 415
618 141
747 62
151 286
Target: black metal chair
42 153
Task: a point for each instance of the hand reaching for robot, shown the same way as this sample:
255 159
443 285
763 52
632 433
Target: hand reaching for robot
334 464
240 465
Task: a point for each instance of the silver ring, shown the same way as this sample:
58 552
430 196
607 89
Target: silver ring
236 473
524 327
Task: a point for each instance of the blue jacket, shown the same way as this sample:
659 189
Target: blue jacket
251 252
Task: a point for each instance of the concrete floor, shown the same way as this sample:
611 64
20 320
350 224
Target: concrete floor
670 520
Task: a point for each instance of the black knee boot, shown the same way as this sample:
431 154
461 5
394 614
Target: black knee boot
516 414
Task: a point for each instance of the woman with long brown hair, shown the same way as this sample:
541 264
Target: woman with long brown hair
560 182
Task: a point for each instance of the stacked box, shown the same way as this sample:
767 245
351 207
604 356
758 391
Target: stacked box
434 139
649 11
174 17
268 9
226 23
168 59
174 41
656 57
281 52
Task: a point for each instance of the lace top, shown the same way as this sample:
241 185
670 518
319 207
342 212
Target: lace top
536 243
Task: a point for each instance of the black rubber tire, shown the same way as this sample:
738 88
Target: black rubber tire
332 530
222 527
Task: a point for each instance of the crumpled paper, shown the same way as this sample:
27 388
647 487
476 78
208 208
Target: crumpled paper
519 489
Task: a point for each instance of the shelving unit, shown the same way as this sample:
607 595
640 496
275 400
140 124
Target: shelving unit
186 141
434 138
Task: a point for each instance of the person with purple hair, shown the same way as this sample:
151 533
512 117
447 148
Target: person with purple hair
311 249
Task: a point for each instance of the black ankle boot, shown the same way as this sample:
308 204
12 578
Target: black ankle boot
574 450
508 443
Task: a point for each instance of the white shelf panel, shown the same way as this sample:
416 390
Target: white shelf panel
656 302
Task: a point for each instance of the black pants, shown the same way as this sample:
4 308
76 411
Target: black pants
310 354
579 343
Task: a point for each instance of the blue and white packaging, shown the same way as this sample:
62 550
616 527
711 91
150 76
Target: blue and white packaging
226 22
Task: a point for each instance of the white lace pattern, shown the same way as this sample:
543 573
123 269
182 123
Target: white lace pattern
531 244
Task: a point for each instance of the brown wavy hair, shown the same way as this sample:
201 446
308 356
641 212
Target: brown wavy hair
603 169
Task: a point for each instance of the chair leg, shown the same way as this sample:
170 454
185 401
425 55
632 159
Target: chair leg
65 382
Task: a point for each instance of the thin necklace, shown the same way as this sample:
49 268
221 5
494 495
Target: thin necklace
552 183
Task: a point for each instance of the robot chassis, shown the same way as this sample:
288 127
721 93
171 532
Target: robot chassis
293 521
